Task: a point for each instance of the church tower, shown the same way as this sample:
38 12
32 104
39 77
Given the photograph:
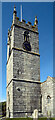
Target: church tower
23 68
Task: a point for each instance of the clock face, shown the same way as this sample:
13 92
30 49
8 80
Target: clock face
27 46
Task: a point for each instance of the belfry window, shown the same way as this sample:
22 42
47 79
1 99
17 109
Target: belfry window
26 43
48 99
26 36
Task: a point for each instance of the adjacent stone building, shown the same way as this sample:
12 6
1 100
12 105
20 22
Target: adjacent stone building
25 92
48 97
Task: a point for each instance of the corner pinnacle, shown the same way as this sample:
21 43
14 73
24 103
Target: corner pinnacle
36 21
14 9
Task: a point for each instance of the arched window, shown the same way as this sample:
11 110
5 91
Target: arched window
26 44
26 36
48 99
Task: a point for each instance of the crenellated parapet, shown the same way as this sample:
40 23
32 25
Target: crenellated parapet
27 25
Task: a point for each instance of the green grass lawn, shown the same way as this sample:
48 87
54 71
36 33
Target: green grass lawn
28 119
19 118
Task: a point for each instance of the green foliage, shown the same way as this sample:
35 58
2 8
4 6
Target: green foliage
2 109
52 118
28 119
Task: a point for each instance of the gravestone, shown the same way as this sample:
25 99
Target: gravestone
26 115
35 114
49 114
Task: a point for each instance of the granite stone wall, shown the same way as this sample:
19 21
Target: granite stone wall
26 72
26 97
26 66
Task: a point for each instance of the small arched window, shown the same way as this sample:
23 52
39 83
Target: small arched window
18 89
48 99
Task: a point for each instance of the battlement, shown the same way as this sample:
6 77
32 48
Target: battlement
23 24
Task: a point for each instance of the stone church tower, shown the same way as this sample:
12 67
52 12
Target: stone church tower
23 68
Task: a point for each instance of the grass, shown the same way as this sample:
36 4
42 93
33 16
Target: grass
19 118
52 118
28 119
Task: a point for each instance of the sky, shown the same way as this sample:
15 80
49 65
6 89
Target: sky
54 39
44 13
